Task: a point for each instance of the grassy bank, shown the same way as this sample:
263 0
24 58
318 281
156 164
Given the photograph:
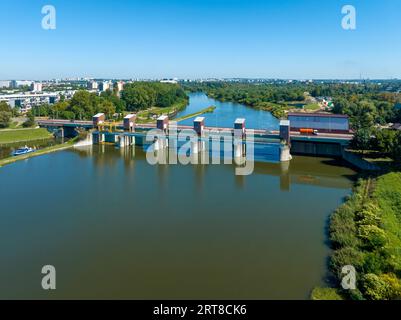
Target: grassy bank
192 115
43 151
147 116
366 233
8 136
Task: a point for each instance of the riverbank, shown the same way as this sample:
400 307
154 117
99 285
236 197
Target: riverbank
365 232
195 114
47 150
9 136
150 115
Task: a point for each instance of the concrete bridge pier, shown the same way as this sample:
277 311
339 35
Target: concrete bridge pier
285 154
239 149
98 137
121 140
202 145
239 137
195 147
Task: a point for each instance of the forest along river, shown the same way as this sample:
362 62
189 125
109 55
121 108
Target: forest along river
115 226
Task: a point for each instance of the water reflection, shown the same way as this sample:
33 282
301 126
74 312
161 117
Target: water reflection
322 172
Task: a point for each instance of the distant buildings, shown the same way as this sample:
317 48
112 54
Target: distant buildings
120 86
26 101
36 87
5 84
169 81
92 85
19 83
104 86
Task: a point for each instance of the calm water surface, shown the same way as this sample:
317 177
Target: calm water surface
226 112
116 227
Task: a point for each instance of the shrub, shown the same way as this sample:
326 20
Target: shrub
342 228
394 285
372 235
369 215
355 295
343 257
375 288
373 263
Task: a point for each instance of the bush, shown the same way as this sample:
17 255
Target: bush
375 288
374 263
373 236
394 285
355 295
343 257
369 215
342 228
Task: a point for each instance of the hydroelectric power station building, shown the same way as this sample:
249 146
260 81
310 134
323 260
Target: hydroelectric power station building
324 122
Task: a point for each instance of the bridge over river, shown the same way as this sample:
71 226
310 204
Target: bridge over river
276 144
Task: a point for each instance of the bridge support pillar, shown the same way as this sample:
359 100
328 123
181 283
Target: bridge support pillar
195 147
285 153
122 140
202 146
239 148
95 138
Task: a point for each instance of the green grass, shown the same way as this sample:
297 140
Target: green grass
325 294
312 107
145 116
192 115
387 193
22 135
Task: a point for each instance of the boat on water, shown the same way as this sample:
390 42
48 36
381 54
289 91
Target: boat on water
21 151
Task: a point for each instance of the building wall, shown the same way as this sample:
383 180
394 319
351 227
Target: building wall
316 148
319 123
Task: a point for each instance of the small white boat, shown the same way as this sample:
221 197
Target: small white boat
22 151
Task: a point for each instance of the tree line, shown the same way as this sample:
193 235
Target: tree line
135 96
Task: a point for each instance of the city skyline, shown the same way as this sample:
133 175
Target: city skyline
201 39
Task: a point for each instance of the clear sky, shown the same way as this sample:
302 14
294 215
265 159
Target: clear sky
296 39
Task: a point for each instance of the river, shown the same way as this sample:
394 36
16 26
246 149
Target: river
115 226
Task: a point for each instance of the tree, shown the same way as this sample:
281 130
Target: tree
396 152
5 118
107 107
362 139
30 122
5 107
385 140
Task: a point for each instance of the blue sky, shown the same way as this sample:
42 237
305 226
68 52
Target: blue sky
296 39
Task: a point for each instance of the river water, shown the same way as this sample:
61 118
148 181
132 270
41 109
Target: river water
115 226
226 113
